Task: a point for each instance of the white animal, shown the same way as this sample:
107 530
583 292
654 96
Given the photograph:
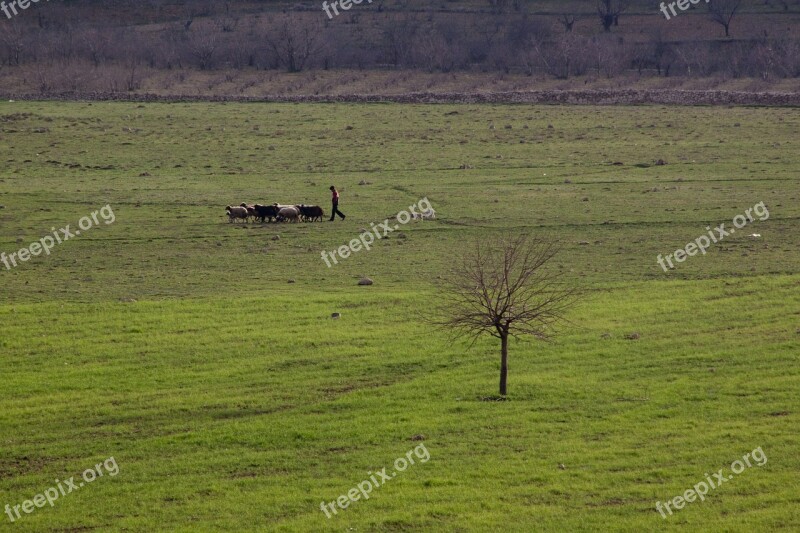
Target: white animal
235 213
427 214
289 213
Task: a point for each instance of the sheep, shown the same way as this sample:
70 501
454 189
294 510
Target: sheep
264 212
311 212
289 213
427 214
236 213
251 210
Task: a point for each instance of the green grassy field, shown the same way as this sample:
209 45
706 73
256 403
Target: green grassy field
231 401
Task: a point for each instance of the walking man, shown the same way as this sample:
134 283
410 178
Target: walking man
335 200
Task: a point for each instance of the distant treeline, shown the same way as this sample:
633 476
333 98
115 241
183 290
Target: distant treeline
59 38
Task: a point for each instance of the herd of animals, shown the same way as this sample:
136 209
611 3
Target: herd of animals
275 213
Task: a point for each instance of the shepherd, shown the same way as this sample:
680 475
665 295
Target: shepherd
335 204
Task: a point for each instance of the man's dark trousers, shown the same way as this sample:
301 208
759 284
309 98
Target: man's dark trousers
335 211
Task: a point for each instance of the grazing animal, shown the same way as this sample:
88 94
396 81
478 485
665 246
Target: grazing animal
427 214
235 213
289 213
311 212
264 212
251 210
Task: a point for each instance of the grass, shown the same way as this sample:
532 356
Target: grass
230 400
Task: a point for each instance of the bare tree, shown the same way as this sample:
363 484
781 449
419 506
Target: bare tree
97 44
567 21
609 11
504 290
14 40
203 45
723 11
398 38
294 42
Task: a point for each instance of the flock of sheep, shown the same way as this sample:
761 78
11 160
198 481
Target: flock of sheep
275 213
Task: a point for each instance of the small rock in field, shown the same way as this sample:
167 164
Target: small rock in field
583 243
276 237
365 281
561 466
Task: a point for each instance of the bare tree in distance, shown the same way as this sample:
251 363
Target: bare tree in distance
294 42
723 11
567 21
503 289
202 46
609 11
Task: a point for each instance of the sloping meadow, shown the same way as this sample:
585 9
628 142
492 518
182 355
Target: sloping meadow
231 400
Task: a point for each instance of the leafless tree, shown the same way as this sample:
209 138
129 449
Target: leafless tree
723 11
567 21
42 74
202 46
503 289
294 42
189 16
13 37
227 23
97 44
609 11
399 37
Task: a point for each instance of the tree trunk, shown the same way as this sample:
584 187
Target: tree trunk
503 363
